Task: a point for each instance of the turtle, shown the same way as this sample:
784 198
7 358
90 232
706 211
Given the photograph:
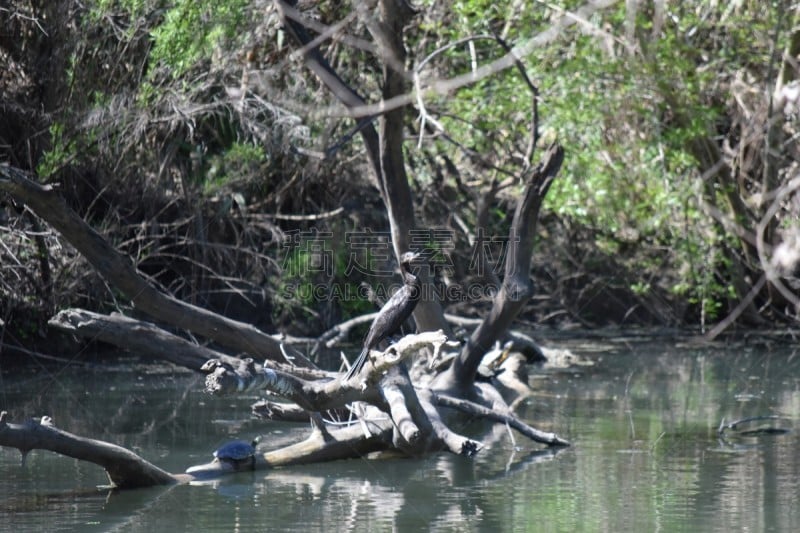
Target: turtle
238 453
490 364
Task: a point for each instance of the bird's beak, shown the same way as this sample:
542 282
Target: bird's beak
412 258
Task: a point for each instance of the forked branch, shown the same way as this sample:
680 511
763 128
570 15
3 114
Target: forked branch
517 287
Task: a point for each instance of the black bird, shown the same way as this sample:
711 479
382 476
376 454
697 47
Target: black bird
393 313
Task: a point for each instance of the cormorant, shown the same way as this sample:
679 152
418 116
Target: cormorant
393 313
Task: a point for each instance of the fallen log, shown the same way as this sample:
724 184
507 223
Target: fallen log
125 469
135 335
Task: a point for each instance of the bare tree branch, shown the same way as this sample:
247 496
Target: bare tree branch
125 469
473 408
136 335
336 443
448 86
517 288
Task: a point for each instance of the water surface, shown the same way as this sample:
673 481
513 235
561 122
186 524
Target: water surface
643 420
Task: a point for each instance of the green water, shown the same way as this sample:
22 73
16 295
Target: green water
643 421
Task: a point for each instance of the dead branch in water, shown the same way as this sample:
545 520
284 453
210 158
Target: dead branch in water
125 469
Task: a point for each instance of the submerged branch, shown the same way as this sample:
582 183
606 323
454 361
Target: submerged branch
336 443
472 408
323 390
382 392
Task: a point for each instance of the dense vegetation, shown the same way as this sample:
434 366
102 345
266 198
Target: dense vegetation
191 135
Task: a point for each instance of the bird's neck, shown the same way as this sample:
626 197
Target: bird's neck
410 279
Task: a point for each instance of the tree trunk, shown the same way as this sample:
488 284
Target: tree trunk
384 150
517 287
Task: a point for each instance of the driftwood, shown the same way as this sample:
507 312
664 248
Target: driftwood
340 333
414 425
125 469
147 338
319 446
412 411
517 287
135 335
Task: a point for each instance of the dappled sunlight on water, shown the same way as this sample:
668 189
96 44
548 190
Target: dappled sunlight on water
643 421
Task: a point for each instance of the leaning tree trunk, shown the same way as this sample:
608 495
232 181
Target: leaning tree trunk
384 149
120 272
125 469
517 287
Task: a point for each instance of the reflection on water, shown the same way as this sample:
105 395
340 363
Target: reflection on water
643 421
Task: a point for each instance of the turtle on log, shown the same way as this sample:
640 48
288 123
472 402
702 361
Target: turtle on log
239 454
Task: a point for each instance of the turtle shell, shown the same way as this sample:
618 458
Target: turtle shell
236 450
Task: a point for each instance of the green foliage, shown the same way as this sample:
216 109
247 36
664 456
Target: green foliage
62 150
241 161
297 279
134 8
189 31
193 29
316 271
627 107
628 97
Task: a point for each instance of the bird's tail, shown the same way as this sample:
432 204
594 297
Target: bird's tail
358 365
